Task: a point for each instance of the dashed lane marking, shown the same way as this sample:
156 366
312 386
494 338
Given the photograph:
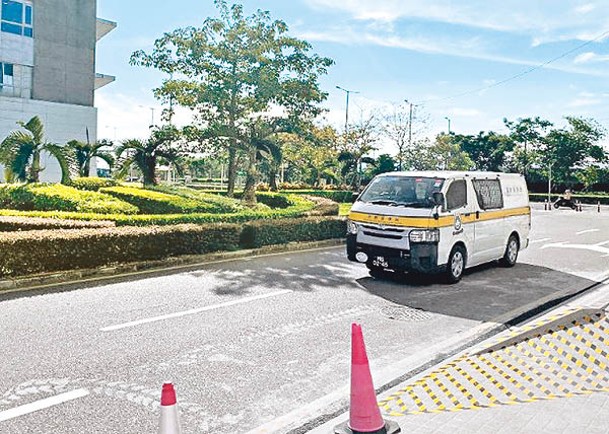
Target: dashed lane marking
194 311
559 357
42 404
587 231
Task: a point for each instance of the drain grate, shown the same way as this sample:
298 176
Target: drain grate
405 313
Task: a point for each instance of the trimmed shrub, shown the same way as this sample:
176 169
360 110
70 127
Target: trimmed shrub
323 206
264 233
155 202
57 197
43 251
93 183
10 224
299 207
220 204
340 196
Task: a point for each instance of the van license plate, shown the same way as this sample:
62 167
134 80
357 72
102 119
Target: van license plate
380 261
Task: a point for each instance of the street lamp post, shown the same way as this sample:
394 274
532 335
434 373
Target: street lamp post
348 92
448 119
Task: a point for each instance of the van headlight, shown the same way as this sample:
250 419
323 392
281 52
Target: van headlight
424 236
352 227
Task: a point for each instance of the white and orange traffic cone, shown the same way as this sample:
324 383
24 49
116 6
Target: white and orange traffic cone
364 412
170 421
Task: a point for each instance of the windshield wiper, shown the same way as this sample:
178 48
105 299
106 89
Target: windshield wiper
412 204
384 202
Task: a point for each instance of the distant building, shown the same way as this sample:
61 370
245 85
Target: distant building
47 68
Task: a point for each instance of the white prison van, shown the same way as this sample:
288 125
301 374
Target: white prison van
436 221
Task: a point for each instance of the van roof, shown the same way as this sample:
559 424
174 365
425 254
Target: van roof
449 174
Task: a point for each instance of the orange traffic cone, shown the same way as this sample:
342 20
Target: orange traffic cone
364 413
170 422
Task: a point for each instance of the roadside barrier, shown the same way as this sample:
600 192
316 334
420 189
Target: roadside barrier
364 412
170 421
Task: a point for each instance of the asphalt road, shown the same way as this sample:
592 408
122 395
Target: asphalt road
261 342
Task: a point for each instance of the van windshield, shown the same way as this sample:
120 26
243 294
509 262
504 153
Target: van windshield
406 191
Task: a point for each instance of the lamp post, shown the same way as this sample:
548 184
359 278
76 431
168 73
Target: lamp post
448 119
348 92
151 115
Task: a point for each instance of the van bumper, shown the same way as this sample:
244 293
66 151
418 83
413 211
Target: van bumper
421 258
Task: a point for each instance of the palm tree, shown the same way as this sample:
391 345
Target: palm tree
145 155
84 153
20 153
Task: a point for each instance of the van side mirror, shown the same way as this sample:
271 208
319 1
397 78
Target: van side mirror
438 198
354 197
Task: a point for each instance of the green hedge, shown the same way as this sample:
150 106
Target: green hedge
9 224
340 196
263 233
93 183
44 251
57 197
155 202
220 203
299 206
55 250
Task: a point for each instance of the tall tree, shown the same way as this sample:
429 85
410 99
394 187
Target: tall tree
237 71
84 153
528 135
146 155
22 149
403 125
356 145
574 147
443 154
488 151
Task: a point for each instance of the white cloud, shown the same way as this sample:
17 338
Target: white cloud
471 48
590 57
543 20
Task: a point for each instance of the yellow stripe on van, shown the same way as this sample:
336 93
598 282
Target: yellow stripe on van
430 222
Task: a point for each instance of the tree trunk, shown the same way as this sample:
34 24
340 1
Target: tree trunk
273 177
149 172
35 168
232 169
249 193
86 169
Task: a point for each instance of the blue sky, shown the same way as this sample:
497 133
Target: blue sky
426 51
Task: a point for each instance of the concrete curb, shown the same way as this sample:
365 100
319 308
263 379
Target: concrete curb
48 280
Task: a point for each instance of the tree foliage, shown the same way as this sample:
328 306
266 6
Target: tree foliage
238 72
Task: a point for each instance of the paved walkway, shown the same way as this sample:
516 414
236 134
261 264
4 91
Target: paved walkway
548 376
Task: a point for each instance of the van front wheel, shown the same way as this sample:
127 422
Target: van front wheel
456 264
511 252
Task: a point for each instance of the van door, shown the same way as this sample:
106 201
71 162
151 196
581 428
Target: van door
460 205
490 222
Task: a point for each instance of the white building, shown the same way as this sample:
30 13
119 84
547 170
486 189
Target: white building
47 69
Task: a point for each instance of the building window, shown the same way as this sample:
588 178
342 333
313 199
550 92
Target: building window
7 79
17 18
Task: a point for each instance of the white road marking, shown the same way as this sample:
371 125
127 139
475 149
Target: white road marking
193 311
42 404
539 241
587 231
591 247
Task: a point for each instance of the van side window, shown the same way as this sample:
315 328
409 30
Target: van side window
456 196
488 192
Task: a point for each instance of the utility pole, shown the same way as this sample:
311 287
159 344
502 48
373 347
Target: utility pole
448 119
348 92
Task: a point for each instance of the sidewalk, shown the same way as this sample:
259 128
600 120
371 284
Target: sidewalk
548 376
